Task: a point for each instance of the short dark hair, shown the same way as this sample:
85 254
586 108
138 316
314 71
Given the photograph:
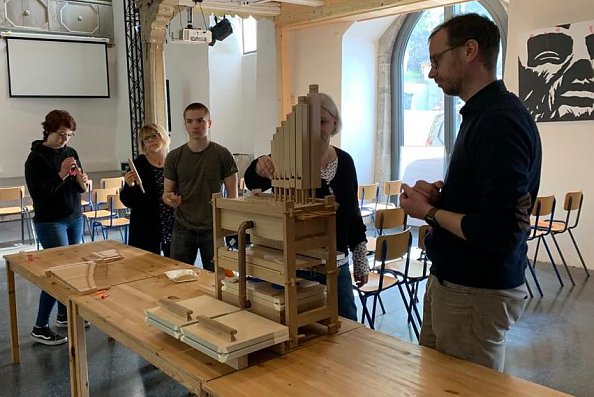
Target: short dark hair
56 119
462 28
196 106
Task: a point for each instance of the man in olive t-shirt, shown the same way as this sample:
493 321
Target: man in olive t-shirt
193 172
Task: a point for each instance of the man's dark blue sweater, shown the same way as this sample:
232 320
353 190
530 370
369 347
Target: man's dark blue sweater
493 179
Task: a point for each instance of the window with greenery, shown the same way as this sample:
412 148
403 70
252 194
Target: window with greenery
425 121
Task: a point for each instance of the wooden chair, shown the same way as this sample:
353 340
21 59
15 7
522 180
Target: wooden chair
390 189
416 272
13 197
108 183
573 208
386 219
544 209
393 246
118 218
99 200
367 195
85 198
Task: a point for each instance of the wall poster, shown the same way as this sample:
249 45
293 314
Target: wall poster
556 72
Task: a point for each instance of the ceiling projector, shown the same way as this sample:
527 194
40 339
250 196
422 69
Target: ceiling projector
198 36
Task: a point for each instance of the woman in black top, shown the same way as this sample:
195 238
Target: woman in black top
55 180
339 178
151 221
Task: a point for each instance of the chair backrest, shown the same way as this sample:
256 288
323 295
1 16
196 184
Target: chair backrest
544 209
100 197
398 245
115 203
106 183
87 195
423 232
389 219
367 193
14 193
573 202
392 188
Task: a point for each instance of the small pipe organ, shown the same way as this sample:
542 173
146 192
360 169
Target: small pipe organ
290 228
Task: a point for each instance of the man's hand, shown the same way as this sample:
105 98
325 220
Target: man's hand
172 199
430 190
265 167
414 202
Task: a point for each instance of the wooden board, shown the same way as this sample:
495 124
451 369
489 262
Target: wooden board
274 296
83 277
363 362
253 333
161 316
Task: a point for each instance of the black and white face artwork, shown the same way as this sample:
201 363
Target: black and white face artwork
556 72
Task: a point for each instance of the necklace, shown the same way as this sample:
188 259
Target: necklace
156 162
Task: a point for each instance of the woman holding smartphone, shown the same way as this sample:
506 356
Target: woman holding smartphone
55 180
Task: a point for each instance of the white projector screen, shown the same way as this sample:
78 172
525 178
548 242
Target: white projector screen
55 68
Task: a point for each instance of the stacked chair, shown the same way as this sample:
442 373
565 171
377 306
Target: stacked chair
117 219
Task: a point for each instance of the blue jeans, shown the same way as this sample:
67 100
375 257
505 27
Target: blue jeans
55 234
186 243
346 299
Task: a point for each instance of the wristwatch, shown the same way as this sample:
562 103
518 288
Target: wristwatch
430 217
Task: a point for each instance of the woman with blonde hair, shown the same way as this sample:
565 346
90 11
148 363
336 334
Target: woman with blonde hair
151 221
339 177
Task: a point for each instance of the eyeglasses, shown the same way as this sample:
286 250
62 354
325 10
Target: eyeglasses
434 60
148 138
66 135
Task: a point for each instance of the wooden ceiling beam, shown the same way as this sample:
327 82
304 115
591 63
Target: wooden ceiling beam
296 16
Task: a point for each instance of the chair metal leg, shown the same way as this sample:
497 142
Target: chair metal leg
375 299
562 258
365 312
536 252
579 253
544 242
381 304
408 307
528 286
534 277
22 227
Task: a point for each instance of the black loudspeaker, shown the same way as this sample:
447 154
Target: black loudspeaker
221 30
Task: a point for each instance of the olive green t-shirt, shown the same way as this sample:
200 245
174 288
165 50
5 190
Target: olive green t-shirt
198 176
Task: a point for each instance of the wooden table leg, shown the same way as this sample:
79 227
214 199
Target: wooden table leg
77 353
14 327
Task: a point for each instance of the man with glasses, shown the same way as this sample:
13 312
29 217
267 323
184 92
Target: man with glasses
193 172
480 214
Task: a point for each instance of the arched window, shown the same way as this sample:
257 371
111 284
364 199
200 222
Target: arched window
425 121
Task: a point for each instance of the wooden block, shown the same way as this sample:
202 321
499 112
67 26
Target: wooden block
226 332
176 309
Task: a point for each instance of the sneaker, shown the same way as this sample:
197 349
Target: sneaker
46 336
62 322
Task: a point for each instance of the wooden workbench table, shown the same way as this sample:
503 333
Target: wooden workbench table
369 363
136 265
121 315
